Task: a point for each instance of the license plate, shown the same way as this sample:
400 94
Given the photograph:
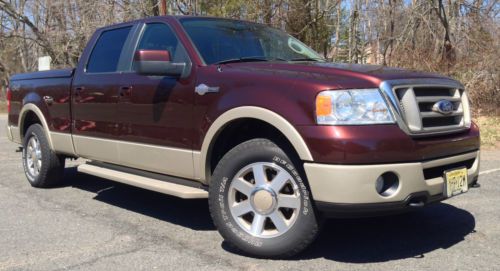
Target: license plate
455 182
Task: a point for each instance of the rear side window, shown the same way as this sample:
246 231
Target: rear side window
106 53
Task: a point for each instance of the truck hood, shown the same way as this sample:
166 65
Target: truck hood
334 75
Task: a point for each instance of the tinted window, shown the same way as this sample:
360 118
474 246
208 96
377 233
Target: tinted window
219 40
158 36
106 53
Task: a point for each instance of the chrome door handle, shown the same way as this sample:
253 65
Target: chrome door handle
48 99
204 89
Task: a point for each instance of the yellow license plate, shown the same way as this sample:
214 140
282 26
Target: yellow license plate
455 182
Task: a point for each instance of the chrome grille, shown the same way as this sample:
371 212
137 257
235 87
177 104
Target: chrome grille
414 101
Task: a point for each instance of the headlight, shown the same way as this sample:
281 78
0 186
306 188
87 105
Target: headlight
352 107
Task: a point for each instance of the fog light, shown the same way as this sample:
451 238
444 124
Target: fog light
387 184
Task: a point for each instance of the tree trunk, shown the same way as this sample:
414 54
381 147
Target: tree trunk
448 52
268 11
155 9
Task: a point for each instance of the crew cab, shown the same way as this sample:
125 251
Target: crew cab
251 118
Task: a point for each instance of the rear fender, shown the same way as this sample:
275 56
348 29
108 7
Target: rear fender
33 103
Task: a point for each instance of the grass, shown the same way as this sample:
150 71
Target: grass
490 131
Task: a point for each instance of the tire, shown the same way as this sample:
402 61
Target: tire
267 214
42 166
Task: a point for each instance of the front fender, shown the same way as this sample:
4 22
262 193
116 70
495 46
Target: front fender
268 116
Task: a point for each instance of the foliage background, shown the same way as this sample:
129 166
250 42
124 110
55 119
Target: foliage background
458 38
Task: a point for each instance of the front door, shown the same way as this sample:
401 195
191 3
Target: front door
155 112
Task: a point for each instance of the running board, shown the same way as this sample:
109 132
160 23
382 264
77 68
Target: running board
177 190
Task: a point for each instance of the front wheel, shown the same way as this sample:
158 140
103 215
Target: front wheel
260 203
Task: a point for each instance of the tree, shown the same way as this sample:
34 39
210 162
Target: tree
456 37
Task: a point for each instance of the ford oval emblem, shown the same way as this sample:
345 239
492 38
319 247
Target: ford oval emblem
444 107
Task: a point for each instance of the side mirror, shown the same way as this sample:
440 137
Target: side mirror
157 62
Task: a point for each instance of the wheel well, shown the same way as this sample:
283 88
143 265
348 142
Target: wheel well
29 119
241 130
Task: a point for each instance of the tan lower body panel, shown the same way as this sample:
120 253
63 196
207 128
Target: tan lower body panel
181 191
165 160
9 132
62 143
13 134
96 148
356 184
171 161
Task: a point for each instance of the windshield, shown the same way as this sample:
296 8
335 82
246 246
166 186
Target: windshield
220 41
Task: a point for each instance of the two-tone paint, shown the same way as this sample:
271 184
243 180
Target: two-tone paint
162 125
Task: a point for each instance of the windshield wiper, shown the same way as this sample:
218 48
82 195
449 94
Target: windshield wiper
306 59
248 59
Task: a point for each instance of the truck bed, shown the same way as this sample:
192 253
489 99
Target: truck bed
33 87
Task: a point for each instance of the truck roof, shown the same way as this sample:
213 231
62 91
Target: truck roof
175 17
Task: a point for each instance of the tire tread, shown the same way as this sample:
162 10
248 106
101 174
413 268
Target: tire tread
52 170
242 148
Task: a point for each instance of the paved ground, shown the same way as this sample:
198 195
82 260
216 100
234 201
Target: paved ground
95 224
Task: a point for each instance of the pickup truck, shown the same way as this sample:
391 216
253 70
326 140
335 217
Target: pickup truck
249 117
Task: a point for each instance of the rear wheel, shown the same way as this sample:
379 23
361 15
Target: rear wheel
260 203
42 166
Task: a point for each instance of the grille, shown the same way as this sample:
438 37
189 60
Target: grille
416 107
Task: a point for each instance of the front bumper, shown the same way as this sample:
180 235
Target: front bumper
351 188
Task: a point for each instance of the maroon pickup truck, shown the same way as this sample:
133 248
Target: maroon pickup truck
251 118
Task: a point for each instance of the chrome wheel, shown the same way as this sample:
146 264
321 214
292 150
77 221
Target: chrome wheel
34 156
264 200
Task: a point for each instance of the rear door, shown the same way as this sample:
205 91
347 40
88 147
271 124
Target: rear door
95 93
155 113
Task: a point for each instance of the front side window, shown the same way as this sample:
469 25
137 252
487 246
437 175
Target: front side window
106 53
222 40
158 36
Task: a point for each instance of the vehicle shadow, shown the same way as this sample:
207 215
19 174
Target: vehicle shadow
364 240
380 239
192 214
